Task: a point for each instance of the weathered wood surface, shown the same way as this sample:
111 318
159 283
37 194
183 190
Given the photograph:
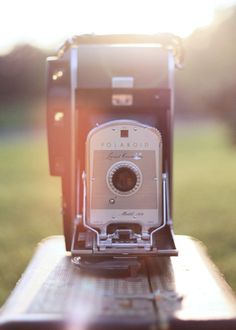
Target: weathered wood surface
184 292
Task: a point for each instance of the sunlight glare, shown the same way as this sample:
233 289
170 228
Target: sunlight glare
49 23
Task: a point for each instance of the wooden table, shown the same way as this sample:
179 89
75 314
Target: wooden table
184 292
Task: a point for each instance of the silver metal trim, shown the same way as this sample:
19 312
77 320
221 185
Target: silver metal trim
73 72
84 209
122 82
120 122
164 193
124 100
171 70
146 244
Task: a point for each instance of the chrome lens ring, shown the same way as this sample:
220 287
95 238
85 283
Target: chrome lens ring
124 178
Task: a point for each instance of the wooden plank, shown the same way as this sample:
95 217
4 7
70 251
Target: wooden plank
198 292
168 293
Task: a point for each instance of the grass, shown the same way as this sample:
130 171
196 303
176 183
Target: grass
204 198
29 204
205 190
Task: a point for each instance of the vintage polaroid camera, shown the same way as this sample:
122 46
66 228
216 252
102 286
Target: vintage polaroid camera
109 116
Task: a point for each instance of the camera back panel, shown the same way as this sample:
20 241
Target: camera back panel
98 79
143 66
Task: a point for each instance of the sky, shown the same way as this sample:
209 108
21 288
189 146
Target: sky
48 23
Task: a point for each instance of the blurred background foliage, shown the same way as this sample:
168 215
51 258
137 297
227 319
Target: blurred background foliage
205 157
206 86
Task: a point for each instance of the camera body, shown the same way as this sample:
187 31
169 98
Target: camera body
109 116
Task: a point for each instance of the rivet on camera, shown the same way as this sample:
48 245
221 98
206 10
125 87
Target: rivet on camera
57 75
58 116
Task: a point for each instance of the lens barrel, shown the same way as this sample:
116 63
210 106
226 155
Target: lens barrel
124 178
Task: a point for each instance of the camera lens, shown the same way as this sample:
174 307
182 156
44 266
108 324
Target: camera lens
124 179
